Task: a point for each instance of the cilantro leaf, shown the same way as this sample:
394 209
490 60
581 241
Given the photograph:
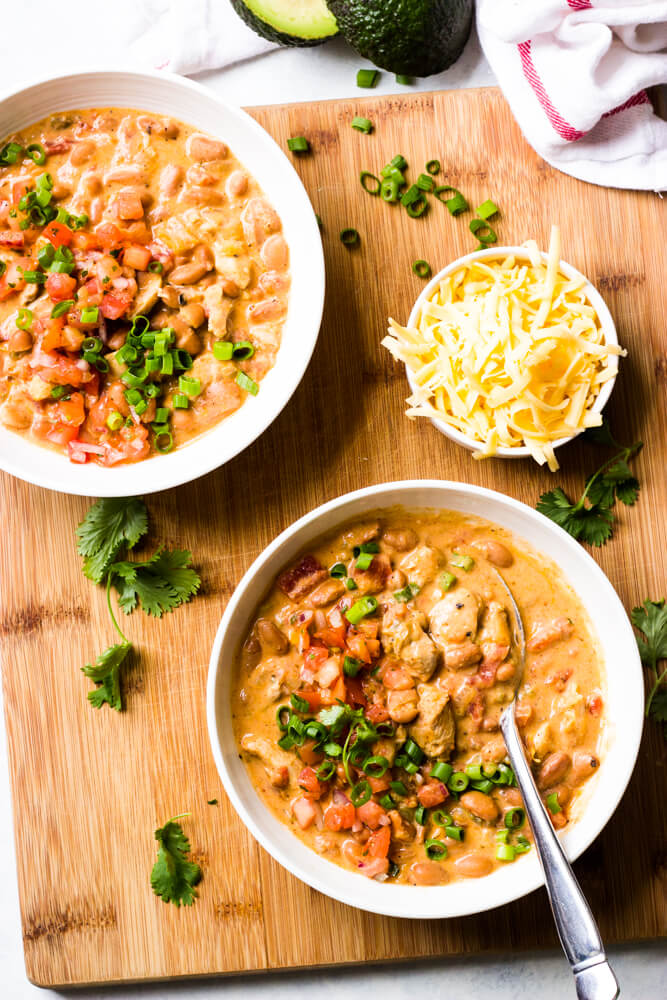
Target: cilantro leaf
615 483
335 717
160 583
589 524
658 707
651 619
105 672
109 525
601 435
173 877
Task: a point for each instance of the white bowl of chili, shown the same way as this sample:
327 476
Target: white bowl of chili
265 162
623 699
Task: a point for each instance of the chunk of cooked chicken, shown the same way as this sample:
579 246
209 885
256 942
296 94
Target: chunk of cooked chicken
434 729
275 760
455 617
403 634
218 308
422 564
265 684
148 287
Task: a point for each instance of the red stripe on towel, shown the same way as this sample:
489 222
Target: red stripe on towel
632 102
558 123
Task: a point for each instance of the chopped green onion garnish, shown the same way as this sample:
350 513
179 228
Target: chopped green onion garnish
515 818
360 793
417 208
59 391
133 396
387 803
247 383
34 277
442 771
370 183
389 190
447 580
37 153
223 350
407 593
338 571
458 782
441 818
180 401
474 771
242 350
462 562
376 766
164 440
362 124
90 315
299 704
553 803
422 269
433 167
351 667
10 153
411 195
350 584
326 770
487 209
161 415
364 560
349 237
487 236
413 751
398 788
456 203
420 815
156 267
361 608
46 254
484 786
114 420
190 386
435 850
505 852
298 144
92 344
3 268
24 319
367 77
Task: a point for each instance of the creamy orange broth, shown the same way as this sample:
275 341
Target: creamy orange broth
164 223
436 669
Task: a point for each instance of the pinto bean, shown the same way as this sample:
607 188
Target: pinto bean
20 341
198 195
251 652
167 128
427 873
274 253
91 183
480 805
171 178
401 540
505 672
193 314
554 767
403 705
237 184
189 342
583 765
82 151
202 148
473 865
523 713
269 309
130 174
494 551
188 274
271 635
326 592
230 288
96 209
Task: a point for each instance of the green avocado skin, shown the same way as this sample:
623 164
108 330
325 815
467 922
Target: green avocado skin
266 30
410 37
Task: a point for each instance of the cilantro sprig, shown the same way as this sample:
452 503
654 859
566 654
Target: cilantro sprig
651 621
173 877
591 518
159 583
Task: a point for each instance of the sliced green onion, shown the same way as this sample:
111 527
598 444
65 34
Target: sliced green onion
422 268
441 818
411 195
447 581
442 771
367 77
408 765
456 203
127 354
433 167
164 439
46 255
24 319
405 81
34 277
505 852
90 314
62 215
407 593
223 350
10 153
360 793
515 818
152 390
435 850
553 803
3 268
484 786
487 210
420 815
180 401
389 190
245 382
413 751
190 386
387 802
474 771
156 267
398 788
326 770
242 350
361 608
37 153
161 415
114 420
462 562
522 845
59 391
370 183
338 571
458 781
92 344
298 144
476 228
375 766
351 667
417 208
425 183
133 396
350 584
349 237
364 561
362 124
299 704
318 220
168 364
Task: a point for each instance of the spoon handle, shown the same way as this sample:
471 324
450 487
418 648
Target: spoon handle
574 921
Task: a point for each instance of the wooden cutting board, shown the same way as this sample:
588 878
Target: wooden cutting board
90 787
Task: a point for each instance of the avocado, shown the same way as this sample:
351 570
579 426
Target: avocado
288 22
409 37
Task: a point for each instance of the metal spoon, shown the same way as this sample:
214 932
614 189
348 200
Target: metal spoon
577 930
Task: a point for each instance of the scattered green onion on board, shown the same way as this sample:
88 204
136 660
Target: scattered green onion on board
422 268
425 183
361 124
349 237
298 144
367 77
456 203
477 227
487 209
370 183
433 167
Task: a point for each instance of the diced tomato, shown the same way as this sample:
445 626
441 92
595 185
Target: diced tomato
432 794
60 286
308 753
60 434
397 679
58 234
339 816
315 656
358 647
137 257
377 713
109 236
116 304
69 411
354 692
8 238
311 784
19 188
378 784
369 628
59 144
53 338
333 638
84 241
594 704
377 845
92 391
314 699
370 814
133 446
304 811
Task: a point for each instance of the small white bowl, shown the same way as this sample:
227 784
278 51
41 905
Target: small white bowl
493 253
194 105
624 700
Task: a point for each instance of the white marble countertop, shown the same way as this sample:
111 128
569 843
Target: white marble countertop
282 77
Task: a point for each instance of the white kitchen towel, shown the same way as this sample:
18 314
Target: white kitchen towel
575 73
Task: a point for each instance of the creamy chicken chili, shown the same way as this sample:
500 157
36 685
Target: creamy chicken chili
143 284
368 695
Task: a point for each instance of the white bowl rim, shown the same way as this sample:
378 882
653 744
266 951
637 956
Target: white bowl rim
410 901
45 467
596 300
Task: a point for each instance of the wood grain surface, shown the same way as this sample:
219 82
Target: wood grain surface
89 787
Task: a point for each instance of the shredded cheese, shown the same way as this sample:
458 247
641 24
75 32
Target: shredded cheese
509 353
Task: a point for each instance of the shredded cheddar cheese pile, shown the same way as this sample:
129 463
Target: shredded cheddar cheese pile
509 353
